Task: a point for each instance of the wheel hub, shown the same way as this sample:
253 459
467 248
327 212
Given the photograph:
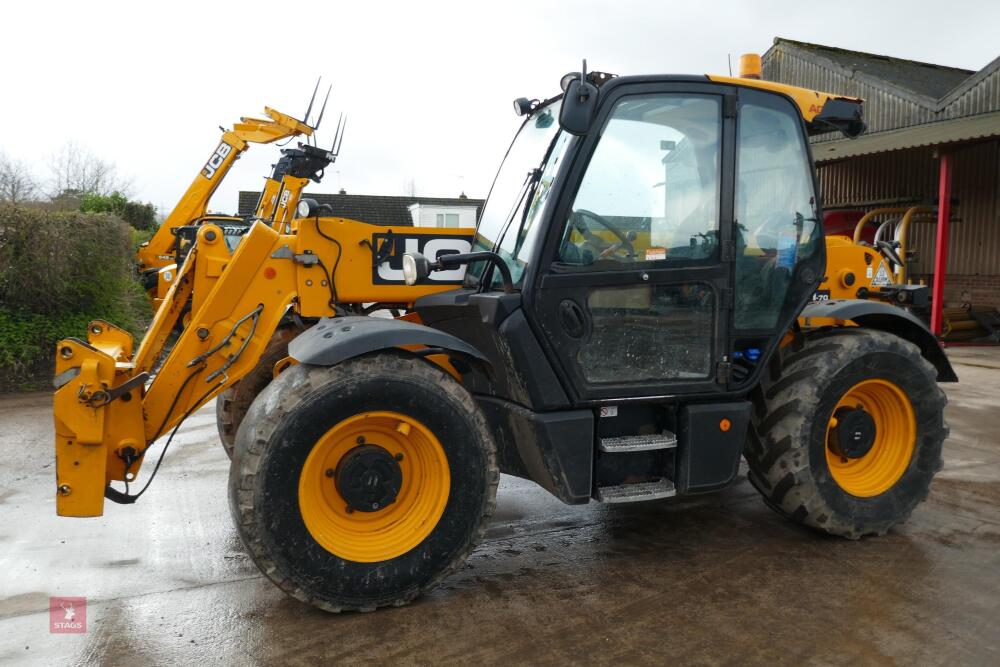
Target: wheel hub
854 433
368 478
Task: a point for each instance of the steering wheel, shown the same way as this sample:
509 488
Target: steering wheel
765 235
624 240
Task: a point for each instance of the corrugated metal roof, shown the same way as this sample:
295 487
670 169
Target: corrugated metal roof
897 93
928 79
929 134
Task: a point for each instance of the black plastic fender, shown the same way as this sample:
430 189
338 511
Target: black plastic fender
891 319
334 339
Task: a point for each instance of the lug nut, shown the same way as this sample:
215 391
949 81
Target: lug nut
361 439
399 457
329 472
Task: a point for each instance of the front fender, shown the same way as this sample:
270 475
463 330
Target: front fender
336 339
888 318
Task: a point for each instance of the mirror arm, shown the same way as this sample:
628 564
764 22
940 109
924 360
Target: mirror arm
455 260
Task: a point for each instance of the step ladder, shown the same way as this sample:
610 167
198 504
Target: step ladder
655 489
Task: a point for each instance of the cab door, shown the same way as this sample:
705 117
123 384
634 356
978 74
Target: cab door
633 293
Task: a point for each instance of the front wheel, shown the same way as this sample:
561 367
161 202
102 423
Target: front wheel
362 484
849 437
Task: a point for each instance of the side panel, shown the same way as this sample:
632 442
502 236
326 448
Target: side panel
553 449
710 444
362 263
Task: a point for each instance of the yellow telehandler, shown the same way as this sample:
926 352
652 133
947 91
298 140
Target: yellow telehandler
631 316
158 258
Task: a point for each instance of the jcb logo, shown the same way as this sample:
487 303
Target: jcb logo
214 162
285 196
388 270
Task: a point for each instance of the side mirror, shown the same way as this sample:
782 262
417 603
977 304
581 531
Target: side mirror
579 104
416 268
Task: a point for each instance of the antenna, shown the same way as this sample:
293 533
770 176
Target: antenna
729 58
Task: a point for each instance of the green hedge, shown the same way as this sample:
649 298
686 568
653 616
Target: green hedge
58 271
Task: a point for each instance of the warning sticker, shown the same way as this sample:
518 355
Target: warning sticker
881 278
609 411
655 253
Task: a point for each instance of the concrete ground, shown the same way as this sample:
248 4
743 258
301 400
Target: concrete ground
716 579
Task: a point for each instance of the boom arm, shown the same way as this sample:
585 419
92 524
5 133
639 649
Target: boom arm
158 251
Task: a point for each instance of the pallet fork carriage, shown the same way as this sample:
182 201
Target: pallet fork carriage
625 323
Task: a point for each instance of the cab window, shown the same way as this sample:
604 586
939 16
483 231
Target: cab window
775 208
651 189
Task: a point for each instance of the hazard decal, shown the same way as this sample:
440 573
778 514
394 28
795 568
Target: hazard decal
881 278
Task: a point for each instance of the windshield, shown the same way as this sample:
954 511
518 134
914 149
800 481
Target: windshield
523 180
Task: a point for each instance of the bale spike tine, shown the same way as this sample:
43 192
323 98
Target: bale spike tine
309 109
323 108
340 142
336 133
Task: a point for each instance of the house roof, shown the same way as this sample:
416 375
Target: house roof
956 130
373 209
926 79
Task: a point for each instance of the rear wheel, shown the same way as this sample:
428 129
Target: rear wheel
231 406
849 437
363 484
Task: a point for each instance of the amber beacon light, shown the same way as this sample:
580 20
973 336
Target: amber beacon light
750 67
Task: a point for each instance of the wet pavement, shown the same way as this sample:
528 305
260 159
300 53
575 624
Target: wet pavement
714 579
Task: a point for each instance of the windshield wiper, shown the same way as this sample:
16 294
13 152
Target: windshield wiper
528 187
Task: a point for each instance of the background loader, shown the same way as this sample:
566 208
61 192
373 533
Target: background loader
632 316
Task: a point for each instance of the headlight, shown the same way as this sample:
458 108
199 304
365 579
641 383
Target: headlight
306 208
410 276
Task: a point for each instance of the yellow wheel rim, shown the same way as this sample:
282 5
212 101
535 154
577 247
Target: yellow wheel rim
391 531
892 449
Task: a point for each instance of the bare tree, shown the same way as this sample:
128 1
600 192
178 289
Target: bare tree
74 169
17 185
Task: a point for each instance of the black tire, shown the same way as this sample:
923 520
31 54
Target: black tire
279 432
786 447
232 405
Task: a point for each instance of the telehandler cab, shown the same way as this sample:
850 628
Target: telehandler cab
632 316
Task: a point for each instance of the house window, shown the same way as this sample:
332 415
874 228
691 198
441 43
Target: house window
447 219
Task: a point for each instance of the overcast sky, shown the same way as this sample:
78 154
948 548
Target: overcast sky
427 85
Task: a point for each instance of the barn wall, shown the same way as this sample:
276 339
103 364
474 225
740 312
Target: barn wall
974 249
